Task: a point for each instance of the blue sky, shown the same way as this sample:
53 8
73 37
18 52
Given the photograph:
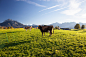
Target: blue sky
43 11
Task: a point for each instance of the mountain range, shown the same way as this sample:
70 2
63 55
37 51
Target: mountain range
67 24
16 24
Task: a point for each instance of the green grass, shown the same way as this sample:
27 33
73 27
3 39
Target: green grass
22 43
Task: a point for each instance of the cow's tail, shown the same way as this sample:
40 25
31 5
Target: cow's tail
53 30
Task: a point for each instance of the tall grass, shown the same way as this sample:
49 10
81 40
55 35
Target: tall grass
63 43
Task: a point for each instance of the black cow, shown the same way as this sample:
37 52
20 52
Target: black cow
46 29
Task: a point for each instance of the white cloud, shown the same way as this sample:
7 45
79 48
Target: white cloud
77 9
30 2
71 12
56 10
83 15
49 8
73 8
74 4
59 9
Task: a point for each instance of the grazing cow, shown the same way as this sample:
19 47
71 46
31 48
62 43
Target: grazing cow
58 28
46 29
28 27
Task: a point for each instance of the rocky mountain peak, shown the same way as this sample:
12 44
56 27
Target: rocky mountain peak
8 20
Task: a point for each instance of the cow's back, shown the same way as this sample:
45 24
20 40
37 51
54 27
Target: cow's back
46 28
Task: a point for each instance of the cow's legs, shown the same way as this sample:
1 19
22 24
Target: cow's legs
50 32
30 29
26 29
42 33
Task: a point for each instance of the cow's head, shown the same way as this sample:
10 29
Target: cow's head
39 27
31 27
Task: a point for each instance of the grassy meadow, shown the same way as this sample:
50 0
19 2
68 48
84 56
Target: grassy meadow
63 43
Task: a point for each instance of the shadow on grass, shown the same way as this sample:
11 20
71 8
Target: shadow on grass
76 30
16 43
83 32
2 45
12 32
15 31
2 33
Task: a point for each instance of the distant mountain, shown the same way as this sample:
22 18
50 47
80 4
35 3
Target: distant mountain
55 24
10 22
33 25
15 24
67 24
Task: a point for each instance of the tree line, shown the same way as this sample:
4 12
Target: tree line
77 26
2 27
